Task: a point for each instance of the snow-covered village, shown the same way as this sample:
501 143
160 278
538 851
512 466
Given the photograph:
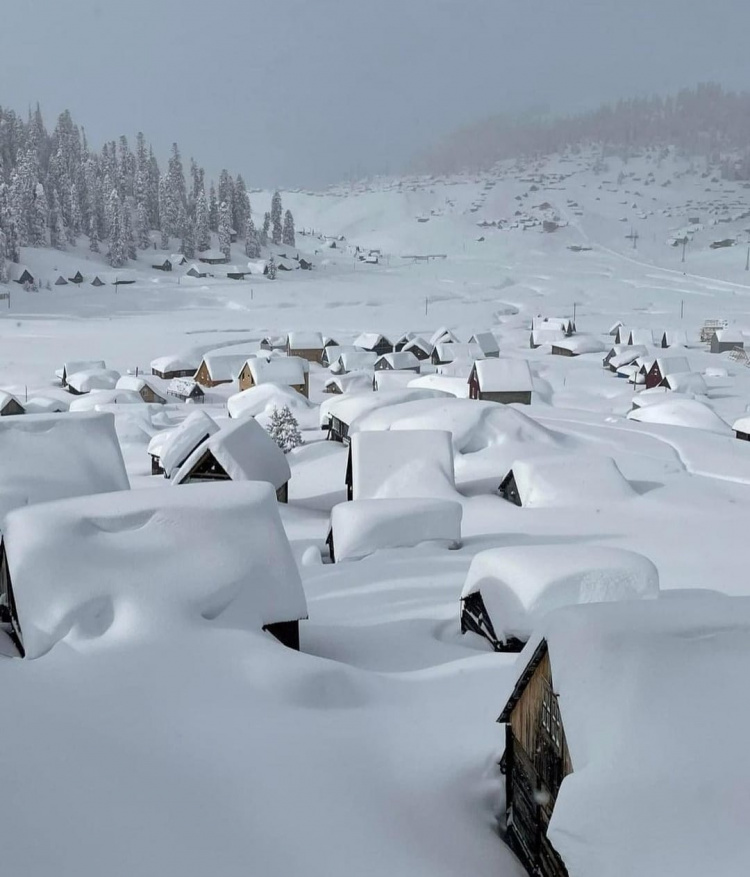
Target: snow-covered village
387 524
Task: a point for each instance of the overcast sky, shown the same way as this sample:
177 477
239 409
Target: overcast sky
304 92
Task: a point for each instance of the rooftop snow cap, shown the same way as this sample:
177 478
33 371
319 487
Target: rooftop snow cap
522 583
132 564
181 441
569 480
45 457
403 463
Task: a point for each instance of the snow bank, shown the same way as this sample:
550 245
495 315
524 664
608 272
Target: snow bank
361 527
134 563
93 400
93 379
520 584
455 386
355 405
570 480
260 401
55 456
681 412
403 463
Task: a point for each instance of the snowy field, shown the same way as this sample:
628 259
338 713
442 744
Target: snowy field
375 750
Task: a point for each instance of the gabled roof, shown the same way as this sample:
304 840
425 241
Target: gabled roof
672 365
180 442
559 480
730 336
417 342
176 362
137 384
405 359
443 335
358 360
282 370
450 351
245 451
305 341
369 340
224 366
580 344
487 343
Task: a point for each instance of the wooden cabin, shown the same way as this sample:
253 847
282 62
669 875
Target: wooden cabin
509 489
741 428
308 345
487 343
404 340
212 257
140 385
501 380
476 619
198 271
417 346
97 281
662 368
674 338
725 340
175 366
403 361
164 265
9 405
283 370
373 343
219 368
535 762
61 281
76 278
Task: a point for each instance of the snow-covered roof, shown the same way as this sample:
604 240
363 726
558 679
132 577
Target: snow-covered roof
626 354
305 341
369 340
214 255
177 362
283 370
641 336
390 380
687 382
681 412
676 337
561 323
55 456
217 553
672 365
137 384
402 463
742 424
77 365
648 695
450 351
504 376
355 405
356 382
334 351
546 335
180 442
730 336
570 480
359 360
261 400
443 335
580 344
225 366
614 327
93 379
419 343
487 343
45 405
245 451
456 386
368 525
405 359
520 584
183 387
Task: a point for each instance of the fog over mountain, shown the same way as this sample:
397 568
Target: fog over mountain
306 93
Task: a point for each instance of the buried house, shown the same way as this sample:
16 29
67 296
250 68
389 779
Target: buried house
621 740
508 590
170 448
139 561
240 451
501 380
286 371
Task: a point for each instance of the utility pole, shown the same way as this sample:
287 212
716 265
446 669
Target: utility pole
684 244
682 308
575 305
747 261
426 302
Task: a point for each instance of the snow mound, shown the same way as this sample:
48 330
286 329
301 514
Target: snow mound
362 527
261 400
355 405
134 564
681 412
91 401
93 379
520 584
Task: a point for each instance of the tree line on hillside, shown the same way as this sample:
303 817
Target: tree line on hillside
54 188
706 121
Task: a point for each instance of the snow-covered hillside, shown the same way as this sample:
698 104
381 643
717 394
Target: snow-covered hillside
201 747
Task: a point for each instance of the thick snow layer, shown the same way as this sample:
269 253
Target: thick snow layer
71 367
260 402
368 525
305 341
96 398
504 376
405 359
626 354
358 360
457 386
681 412
570 480
245 452
451 351
648 694
225 366
282 370
93 379
180 442
354 405
403 463
520 584
138 384
55 456
687 382
119 564
580 344
356 382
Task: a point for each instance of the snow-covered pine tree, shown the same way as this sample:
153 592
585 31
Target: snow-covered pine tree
225 229
202 227
56 228
75 225
143 235
3 263
213 209
39 218
226 193
276 212
117 254
272 269
94 237
252 243
287 233
187 247
128 238
241 206
12 245
284 429
265 230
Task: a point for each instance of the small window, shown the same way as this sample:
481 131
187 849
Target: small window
551 720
